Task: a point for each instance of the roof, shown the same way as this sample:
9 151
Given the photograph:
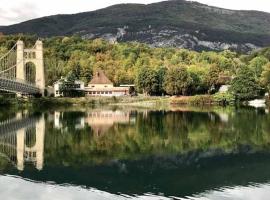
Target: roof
100 78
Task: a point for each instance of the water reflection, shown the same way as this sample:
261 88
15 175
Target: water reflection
99 120
185 153
102 120
22 140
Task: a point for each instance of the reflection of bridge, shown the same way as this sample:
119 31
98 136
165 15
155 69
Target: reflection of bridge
22 70
22 140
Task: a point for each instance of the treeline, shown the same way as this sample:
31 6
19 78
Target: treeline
155 71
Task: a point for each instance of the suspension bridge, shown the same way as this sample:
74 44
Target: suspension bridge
22 69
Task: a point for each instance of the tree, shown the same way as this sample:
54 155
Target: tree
177 81
265 77
74 67
147 81
244 86
212 78
256 64
161 72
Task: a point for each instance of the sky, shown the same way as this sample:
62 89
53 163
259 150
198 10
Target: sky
15 11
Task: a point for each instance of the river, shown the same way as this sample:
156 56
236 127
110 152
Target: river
135 153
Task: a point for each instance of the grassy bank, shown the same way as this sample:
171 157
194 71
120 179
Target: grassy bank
217 99
83 101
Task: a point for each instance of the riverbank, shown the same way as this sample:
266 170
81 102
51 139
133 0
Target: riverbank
138 101
221 99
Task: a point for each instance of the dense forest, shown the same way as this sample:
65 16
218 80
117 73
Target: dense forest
154 71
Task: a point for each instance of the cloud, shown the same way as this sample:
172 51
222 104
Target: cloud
20 12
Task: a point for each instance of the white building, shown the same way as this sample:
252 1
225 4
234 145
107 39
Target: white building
77 85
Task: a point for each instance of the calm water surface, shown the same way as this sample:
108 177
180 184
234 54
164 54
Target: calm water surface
125 153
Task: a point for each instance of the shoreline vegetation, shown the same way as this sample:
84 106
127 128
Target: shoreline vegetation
138 101
195 78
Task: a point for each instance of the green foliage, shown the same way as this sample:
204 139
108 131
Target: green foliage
148 81
256 64
265 77
155 71
177 81
244 85
193 100
5 101
224 98
212 78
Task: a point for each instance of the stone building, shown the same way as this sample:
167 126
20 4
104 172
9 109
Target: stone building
100 85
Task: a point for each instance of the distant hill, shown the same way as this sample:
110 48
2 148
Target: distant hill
175 23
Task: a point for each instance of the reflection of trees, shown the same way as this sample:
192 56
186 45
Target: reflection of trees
70 119
159 133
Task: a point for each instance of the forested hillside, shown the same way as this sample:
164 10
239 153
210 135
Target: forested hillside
155 71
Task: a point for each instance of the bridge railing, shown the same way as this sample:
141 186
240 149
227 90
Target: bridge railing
15 85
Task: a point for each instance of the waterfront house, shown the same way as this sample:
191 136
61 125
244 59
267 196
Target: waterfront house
63 87
100 85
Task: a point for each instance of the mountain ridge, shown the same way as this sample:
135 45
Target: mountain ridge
174 23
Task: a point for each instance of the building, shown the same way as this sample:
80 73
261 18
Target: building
76 86
100 85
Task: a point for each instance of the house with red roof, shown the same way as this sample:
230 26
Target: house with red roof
100 85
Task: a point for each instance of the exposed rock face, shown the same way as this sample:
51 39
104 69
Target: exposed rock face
172 38
174 23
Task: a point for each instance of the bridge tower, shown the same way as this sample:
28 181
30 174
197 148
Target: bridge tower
35 56
33 153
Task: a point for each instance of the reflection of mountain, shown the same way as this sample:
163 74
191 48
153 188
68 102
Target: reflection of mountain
22 140
102 121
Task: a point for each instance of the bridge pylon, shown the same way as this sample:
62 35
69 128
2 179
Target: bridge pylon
33 153
35 56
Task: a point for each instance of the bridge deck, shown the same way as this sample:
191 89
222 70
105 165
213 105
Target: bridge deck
17 86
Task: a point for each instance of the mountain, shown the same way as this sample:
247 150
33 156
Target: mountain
176 23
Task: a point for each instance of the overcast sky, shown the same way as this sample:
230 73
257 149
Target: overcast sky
15 11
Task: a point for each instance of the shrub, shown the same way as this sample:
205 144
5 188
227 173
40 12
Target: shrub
224 98
194 100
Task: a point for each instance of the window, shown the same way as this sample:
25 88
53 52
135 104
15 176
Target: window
98 92
34 55
25 55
